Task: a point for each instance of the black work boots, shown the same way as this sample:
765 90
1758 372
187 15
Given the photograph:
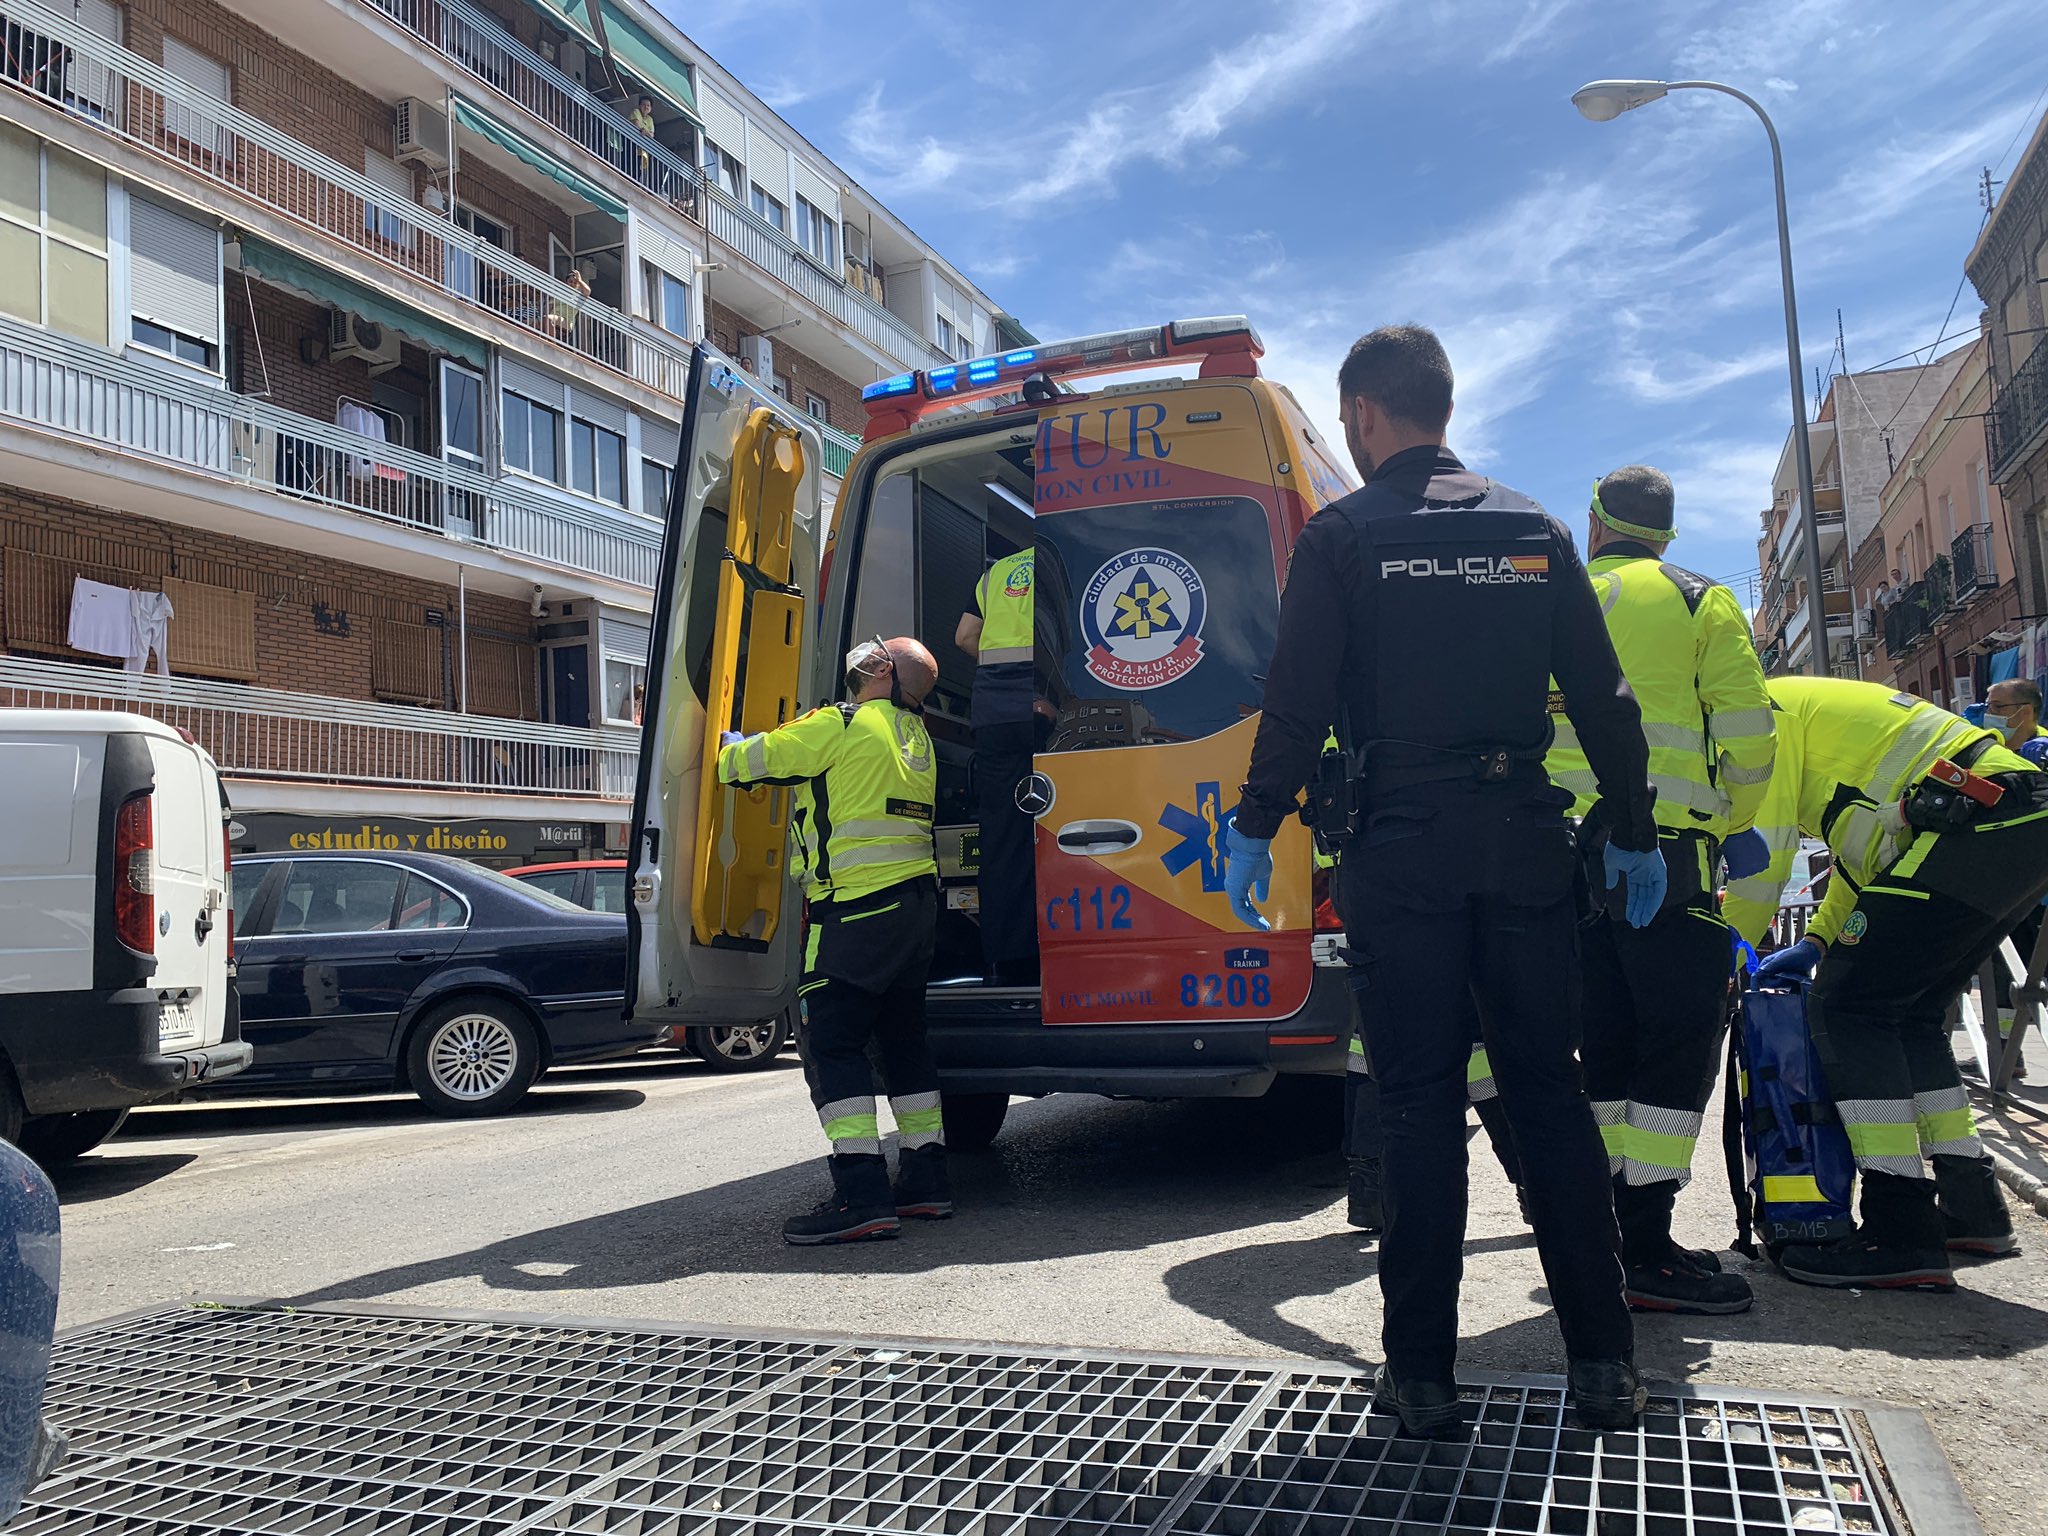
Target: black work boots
1974 1221
1899 1246
922 1190
1659 1275
1366 1207
1606 1394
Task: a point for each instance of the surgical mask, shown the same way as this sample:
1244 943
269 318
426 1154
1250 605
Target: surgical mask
1997 723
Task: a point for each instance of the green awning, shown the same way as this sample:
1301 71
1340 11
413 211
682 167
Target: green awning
489 127
573 14
275 264
635 48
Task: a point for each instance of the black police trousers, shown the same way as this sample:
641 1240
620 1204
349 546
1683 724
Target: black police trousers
1453 887
1654 1003
1365 1135
861 1007
1879 1004
1007 884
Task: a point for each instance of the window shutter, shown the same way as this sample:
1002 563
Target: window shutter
405 663
821 193
626 640
659 249
660 441
94 84
502 679
597 410
174 269
769 167
209 75
531 382
725 125
212 631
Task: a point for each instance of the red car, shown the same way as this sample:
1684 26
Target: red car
600 886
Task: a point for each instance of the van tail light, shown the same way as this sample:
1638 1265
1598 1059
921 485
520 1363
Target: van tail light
227 882
134 875
1326 919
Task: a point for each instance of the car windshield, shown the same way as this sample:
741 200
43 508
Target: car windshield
531 892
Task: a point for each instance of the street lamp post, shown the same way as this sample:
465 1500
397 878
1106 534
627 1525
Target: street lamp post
1605 100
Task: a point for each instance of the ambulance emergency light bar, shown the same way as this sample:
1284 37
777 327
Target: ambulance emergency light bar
1226 346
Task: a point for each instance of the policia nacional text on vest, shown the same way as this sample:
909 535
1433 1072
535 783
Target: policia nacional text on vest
1654 998
863 834
1427 613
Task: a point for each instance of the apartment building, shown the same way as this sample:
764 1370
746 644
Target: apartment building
1943 528
359 330
2008 267
1864 420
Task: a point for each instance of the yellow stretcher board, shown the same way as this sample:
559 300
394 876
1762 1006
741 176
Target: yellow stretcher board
756 647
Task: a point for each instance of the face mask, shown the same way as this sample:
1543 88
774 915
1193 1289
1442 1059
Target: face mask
1996 722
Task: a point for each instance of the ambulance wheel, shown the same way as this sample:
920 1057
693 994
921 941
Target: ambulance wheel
739 1047
973 1120
52 1139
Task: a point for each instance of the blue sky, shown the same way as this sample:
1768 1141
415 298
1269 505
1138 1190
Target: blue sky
1608 292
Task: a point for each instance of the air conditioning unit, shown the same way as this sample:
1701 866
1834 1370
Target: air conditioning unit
350 335
421 133
757 356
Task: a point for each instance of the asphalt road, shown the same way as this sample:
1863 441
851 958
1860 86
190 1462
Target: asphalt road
657 1189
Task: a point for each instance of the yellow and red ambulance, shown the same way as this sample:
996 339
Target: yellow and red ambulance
1162 505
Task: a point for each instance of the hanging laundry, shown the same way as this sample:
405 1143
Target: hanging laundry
353 416
103 621
152 618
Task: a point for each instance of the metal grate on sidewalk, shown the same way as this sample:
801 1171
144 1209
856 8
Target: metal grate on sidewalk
333 1422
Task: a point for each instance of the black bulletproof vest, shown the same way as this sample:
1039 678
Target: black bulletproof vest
1462 595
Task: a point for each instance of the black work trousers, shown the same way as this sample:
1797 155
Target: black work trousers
1654 1005
866 961
1365 1133
1007 884
1878 1007
1455 887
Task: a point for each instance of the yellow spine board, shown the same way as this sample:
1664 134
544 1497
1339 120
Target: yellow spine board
742 836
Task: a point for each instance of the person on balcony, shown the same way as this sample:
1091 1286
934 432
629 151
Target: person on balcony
562 312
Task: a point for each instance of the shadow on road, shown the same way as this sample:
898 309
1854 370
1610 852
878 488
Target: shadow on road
102 1175
229 1117
1070 1177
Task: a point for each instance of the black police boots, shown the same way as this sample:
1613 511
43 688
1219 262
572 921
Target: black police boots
1429 1410
1367 1207
1899 1247
1606 1394
922 1190
1974 1220
861 1206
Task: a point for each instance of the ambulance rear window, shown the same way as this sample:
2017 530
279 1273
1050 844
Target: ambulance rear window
1160 616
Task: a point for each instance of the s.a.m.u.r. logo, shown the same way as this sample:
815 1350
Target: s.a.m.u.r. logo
1473 570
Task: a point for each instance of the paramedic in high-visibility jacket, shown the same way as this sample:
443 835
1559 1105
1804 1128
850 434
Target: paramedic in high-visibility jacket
1655 998
998 632
1940 837
863 830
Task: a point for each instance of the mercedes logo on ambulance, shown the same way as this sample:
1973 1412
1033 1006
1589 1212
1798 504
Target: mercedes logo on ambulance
1035 795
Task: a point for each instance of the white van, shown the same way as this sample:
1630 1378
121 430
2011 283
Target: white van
116 924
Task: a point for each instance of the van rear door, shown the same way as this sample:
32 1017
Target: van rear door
1160 541
191 976
714 922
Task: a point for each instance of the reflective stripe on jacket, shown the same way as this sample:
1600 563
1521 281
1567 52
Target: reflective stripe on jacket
1686 652
1004 597
1847 753
864 812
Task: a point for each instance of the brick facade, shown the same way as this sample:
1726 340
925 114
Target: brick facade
291 652
723 329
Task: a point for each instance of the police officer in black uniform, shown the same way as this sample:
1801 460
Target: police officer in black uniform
1428 612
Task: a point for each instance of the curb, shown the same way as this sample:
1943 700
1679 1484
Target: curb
2019 1181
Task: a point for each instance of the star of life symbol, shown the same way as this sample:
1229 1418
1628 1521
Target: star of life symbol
1142 615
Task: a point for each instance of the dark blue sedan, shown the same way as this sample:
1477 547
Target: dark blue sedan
375 969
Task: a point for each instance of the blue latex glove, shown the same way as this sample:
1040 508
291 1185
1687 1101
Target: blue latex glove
1745 961
1746 853
1793 963
1974 713
727 738
1646 878
1247 872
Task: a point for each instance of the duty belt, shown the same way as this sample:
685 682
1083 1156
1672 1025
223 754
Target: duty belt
1481 765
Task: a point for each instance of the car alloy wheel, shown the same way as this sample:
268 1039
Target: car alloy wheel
739 1047
472 1056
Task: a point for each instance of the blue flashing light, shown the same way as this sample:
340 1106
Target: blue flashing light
1014 359
943 378
983 372
884 389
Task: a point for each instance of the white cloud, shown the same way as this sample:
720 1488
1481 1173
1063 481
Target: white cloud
1536 26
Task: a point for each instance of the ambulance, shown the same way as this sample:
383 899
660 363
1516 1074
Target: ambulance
1162 504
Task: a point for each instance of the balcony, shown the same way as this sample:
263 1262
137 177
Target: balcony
51 383
1910 620
2019 412
266 733
480 48
1973 562
176 122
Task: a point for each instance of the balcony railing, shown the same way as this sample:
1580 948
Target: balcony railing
156 111
1910 619
56 384
267 733
1973 562
481 48
839 450
2019 411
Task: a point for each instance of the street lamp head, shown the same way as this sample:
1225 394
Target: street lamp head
1605 100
